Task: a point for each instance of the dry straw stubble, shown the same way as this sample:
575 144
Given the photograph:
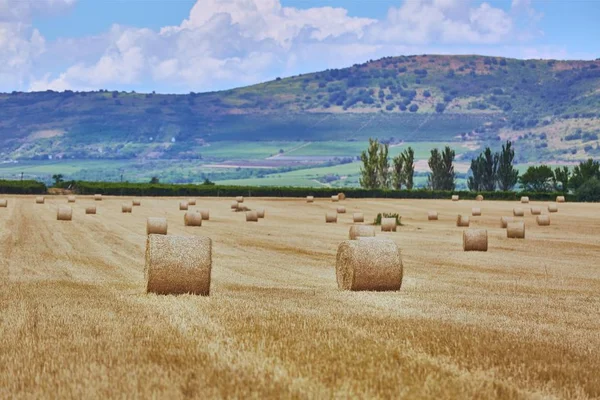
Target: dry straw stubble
388 225
475 240
64 213
358 217
156 225
192 218
515 230
357 231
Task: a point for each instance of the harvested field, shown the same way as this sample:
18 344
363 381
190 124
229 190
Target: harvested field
517 321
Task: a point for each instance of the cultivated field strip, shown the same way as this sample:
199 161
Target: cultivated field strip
518 321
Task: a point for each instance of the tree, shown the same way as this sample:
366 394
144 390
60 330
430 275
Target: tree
506 174
583 172
490 168
589 190
58 179
474 181
368 171
561 179
154 180
208 182
435 165
383 167
397 172
408 159
537 179
442 169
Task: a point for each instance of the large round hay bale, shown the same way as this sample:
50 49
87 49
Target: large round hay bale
239 199
388 224
341 210
341 196
369 264
479 197
432 216
475 240
504 221
136 202
234 205
156 225
40 200
463 220
98 197
553 208
3 203
543 220
71 199
560 199
192 218
536 210
358 217
515 230
524 199
518 212
357 231
178 264
64 213
331 218
251 216
183 205
310 199
191 202
260 212
126 208
476 211
242 207
335 198
455 197
205 213
90 210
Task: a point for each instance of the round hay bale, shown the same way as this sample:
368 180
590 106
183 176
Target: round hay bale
388 225
475 240
476 211
515 230
357 231
192 218
479 197
463 220
3 203
432 216
64 213
335 198
136 202
518 212
331 218
553 208
126 208
524 199
40 200
251 216
156 225
310 199
455 197
205 213
98 197
560 199
90 210
178 265
192 202
239 199
242 207
71 199
536 211
260 212
183 205
369 264
234 205
358 217
504 221
341 196
341 210
543 220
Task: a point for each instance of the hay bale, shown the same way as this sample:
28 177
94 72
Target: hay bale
475 240
3 203
536 211
136 202
341 196
358 217
524 199
242 207
90 210
388 225
239 199
515 230
71 199
205 213
560 199
518 212
357 231
98 197
479 197
432 216
64 213
476 211
553 208
260 212
251 216
192 218
463 220
183 205
369 264
126 208
156 225
341 210
310 199
178 265
335 198
331 218
40 200
234 205
504 221
455 197
543 220
191 202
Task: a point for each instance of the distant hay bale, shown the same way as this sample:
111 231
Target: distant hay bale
64 213
234 205
90 210
475 240
543 220
3 203
183 205
178 265
357 231
310 199
388 225
205 213
71 199
40 200
479 197
260 212
518 212
515 230
341 196
126 208
192 218
552 208
331 218
251 216
524 199
369 264
560 199
341 210
98 197
192 202
463 220
335 198
136 202
476 211
239 199
242 207
358 217
156 225
455 197
504 221
536 210
432 216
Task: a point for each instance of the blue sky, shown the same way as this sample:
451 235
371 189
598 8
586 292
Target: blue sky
201 45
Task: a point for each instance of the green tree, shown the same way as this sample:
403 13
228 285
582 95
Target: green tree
368 171
58 179
397 172
537 179
589 190
561 179
442 174
408 160
208 182
506 173
490 169
474 181
583 172
383 167
154 180
435 165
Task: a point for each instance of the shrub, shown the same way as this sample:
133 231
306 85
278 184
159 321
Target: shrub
589 191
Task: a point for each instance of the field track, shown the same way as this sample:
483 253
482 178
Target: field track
520 321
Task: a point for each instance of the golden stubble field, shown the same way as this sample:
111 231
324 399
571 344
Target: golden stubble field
520 321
